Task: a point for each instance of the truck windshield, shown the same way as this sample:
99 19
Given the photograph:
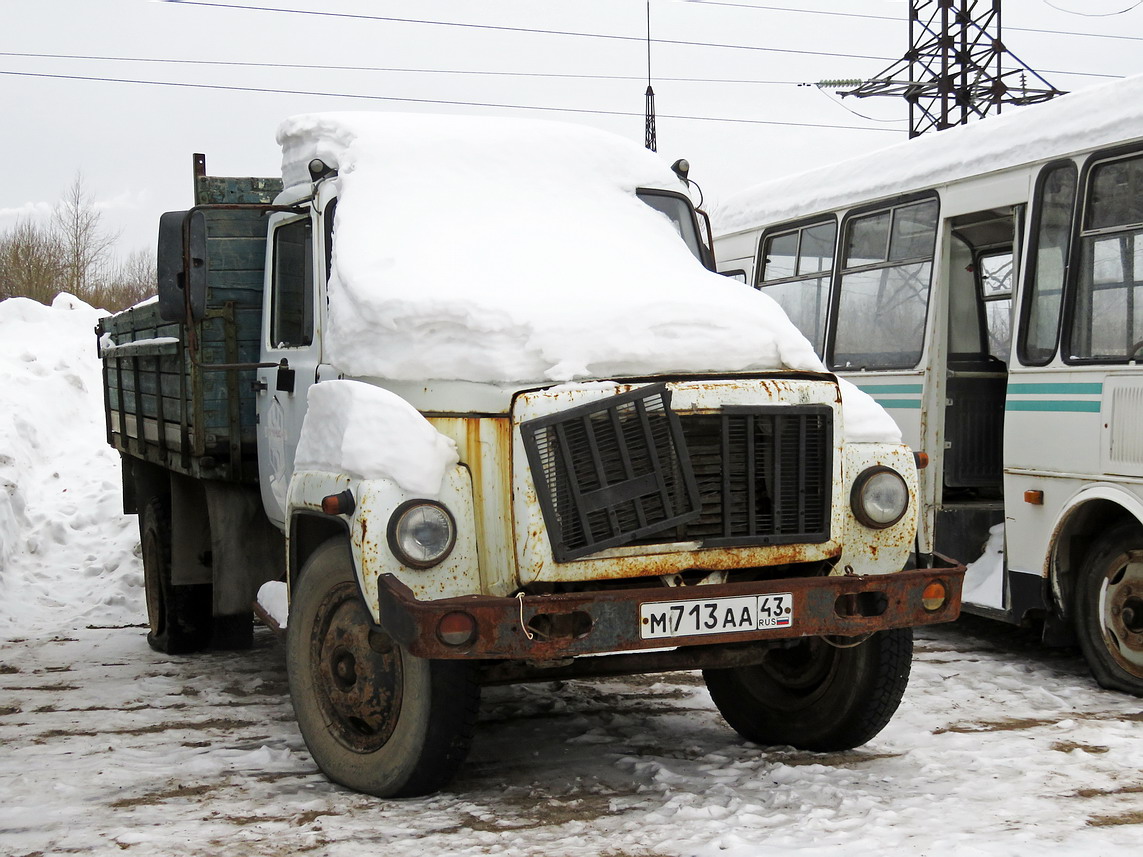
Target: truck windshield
677 209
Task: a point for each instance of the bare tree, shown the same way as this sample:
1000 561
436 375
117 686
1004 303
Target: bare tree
86 245
134 279
31 262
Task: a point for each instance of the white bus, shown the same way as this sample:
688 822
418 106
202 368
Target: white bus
985 284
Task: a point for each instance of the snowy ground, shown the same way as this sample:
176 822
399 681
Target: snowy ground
1001 747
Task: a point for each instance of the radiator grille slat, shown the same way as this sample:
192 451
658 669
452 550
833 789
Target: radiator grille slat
628 470
610 472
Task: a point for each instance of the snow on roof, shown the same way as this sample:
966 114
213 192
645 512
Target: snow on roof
1092 118
505 251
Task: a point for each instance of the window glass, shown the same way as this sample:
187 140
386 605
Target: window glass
883 304
1116 196
995 270
292 305
778 261
867 240
796 270
1107 319
804 301
914 230
678 210
881 317
1048 258
816 252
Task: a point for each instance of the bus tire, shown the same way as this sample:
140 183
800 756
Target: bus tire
178 617
814 695
375 718
1109 608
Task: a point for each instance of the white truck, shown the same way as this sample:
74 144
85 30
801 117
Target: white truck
470 388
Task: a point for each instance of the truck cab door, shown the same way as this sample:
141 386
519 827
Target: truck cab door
291 341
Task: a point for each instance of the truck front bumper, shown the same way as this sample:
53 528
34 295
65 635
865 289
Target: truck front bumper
560 626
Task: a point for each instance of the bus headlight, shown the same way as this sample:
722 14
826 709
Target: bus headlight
421 533
880 497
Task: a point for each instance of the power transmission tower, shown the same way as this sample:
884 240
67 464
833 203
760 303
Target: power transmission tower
954 70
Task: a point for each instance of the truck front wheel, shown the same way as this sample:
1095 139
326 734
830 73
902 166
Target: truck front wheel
374 717
815 695
1109 609
179 617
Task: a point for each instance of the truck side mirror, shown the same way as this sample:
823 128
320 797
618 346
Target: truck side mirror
182 265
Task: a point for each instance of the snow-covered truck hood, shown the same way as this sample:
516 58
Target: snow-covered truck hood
517 252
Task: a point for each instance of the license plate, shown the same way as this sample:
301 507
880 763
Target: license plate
661 619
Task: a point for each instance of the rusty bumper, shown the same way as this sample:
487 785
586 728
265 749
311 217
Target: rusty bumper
552 627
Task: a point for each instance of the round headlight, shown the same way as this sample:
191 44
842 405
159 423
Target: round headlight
880 497
421 533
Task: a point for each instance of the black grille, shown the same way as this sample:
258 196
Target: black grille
629 470
610 472
764 475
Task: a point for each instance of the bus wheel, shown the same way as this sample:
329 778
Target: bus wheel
816 696
1109 608
179 617
374 717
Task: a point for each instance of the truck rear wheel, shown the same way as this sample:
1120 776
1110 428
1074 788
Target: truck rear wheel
374 717
814 695
179 617
1109 609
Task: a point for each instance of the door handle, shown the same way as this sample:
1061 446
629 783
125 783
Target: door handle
285 381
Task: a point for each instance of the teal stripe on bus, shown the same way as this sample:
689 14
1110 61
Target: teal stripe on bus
1066 389
1071 407
907 404
883 389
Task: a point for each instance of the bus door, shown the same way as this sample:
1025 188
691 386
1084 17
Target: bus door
982 260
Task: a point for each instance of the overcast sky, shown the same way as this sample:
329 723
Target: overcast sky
238 71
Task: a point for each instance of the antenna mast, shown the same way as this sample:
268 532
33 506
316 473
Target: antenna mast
649 112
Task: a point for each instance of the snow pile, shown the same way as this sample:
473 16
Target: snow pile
371 433
1089 119
513 251
984 577
67 553
517 251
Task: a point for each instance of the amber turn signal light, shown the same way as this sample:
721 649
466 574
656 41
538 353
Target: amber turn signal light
935 596
339 504
456 628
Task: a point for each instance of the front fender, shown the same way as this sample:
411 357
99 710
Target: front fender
374 503
864 549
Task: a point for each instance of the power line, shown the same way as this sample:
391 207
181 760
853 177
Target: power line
609 36
451 103
1094 14
313 67
897 19
530 30
474 72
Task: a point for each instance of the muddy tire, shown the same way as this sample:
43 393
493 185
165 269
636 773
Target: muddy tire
179 617
1109 608
375 718
816 696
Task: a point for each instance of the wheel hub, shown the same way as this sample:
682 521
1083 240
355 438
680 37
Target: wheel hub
356 672
1121 604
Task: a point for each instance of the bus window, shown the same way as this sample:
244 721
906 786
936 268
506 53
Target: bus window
1107 315
794 269
883 298
1048 255
994 273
